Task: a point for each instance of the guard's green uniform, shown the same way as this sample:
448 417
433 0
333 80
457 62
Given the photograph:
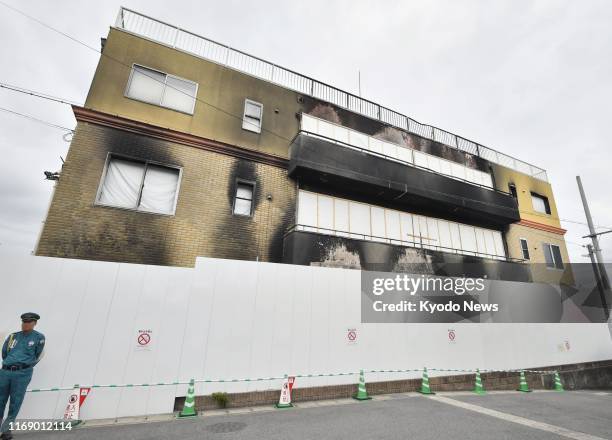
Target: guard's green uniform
20 352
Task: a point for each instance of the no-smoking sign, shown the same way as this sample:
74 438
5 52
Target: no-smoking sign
144 339
351 336
451 335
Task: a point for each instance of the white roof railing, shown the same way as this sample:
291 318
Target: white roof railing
175 37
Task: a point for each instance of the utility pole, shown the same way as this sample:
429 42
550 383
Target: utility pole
600 288
600 273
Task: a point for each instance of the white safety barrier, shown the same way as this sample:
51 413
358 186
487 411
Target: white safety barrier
112 323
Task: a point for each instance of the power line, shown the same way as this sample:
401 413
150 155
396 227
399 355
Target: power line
40 121
38 94
130 67
584 224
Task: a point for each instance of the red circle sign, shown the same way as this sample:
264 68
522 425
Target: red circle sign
144 338
352 335
451 335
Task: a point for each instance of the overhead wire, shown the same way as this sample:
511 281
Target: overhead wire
40 121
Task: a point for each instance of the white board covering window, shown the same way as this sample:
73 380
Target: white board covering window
359 215
325 212
162 89
253 113
340 217
139 185
307 209
377 221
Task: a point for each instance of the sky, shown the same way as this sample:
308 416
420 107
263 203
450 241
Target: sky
531 79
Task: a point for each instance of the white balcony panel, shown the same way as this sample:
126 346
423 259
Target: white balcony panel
326 212
406 225
376 145
390 150
359 217
307 209
341 216
420 159
404 154
480 241
394 151
392 219
334 216
358 139
445 167
433 238
445 235
377 219
433 163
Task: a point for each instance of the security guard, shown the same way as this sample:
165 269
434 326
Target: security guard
20 352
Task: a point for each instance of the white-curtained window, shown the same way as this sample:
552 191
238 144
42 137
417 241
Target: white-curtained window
139 185
162 89
253 114
540 203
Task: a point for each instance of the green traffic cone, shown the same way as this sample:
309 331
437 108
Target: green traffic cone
523 385
425 383
362 393
189 406
558 384
478 388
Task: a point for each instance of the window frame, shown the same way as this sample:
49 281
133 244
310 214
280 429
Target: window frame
521 240
550 246
244 115
146 162
547 210
161 99
253 185
513 190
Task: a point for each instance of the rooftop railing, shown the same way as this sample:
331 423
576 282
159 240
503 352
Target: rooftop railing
175 37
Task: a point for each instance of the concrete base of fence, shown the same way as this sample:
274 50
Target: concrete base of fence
587 375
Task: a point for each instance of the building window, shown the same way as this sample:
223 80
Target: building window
512 188
552 255
540 203
139 185
253 112
162 89
524 249
243 199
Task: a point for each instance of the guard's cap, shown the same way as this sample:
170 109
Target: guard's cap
30 317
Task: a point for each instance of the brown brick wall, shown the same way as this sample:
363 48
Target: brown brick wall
203 224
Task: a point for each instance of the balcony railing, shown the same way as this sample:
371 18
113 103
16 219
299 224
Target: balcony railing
350 138
175 37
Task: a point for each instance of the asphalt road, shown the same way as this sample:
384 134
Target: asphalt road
538 415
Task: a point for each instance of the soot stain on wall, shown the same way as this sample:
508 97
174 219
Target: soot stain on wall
310 248
236 229
123 234
383 131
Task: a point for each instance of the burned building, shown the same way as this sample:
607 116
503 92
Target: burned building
186 147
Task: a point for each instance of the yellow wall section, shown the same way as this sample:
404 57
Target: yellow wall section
525 185
221 87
